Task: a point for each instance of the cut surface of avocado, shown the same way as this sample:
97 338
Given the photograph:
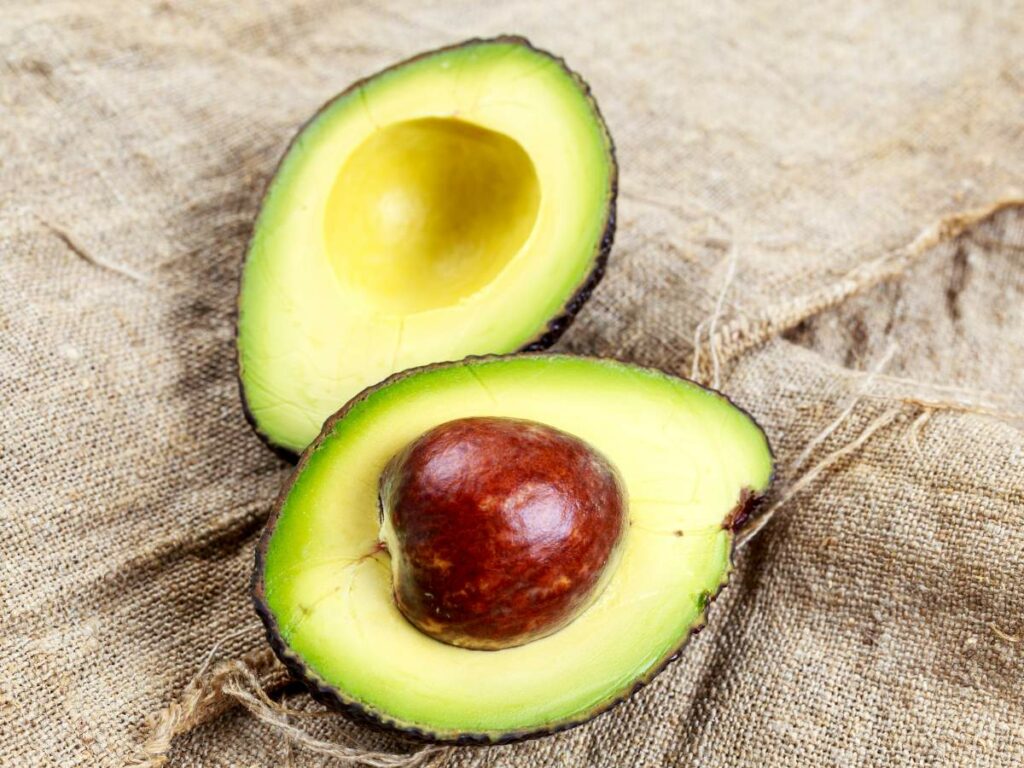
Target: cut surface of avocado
687 457
458 203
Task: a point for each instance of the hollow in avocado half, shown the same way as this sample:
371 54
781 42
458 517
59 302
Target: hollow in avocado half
459 203
503 547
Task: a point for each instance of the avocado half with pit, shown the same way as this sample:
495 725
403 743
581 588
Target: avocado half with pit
380 579
459 203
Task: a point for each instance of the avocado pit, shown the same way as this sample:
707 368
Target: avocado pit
500 531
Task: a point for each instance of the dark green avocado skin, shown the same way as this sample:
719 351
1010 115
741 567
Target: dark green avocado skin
745 511
558 324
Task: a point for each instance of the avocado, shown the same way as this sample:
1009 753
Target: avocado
689 465
458 203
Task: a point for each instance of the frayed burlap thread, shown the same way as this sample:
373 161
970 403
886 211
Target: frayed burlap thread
205 697
797 479
805 479
245 682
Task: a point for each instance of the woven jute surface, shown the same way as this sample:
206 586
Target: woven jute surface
841 180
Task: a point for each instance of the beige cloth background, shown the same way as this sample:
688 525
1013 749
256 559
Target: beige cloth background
827 156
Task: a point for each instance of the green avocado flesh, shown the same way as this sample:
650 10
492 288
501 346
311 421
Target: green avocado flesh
449 206
686 456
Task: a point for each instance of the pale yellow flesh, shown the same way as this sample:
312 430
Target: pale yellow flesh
427 212
446 208
684 454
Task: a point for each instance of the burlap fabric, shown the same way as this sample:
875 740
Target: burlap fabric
836 168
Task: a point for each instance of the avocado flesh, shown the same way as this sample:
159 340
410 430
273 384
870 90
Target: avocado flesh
687 456
459 203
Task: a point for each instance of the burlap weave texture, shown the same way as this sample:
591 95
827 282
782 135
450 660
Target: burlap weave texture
828 156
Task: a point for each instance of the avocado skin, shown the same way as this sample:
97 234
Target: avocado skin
558 324
743 513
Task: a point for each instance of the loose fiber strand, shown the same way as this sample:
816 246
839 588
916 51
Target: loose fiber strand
813 473
818 439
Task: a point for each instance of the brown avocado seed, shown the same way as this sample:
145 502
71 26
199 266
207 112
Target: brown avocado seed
500 531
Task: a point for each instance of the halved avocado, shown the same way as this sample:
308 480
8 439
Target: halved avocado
459 203
691 463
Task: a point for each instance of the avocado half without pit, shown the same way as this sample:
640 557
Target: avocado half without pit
459 203
503 547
